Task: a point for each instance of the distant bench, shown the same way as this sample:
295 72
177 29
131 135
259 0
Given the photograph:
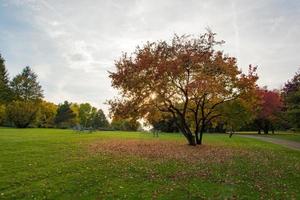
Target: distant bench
80 129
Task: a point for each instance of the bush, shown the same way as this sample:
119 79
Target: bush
22 113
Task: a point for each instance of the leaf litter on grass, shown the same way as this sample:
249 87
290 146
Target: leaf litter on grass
166 150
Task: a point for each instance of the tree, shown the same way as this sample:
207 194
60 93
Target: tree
291 95
22 113
237 113
186 78
269 108
46 114
86 112
125 124
75 108
99 120
166 124
2 114
65 117
88 116
5 92
25 86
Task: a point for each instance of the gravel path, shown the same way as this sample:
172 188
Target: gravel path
285 143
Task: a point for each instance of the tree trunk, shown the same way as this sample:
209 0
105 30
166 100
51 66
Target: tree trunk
187 133
200 140
201 134
266 128
197 137
259 131
272 129
190 138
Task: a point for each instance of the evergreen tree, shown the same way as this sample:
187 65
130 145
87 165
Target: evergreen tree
291 94
26 87
5 93
65 117
99 120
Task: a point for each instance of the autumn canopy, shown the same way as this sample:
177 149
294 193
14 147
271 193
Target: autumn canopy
187 79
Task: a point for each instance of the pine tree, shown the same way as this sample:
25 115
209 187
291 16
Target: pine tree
5 92
65 117
99 120
291 94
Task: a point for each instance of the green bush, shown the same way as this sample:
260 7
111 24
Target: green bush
22 113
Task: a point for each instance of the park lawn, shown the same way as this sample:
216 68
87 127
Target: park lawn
63 164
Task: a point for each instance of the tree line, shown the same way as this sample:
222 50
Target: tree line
273 110
22 105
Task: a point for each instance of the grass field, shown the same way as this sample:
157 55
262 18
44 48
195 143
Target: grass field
63 164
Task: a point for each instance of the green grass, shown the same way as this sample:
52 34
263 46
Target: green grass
57 164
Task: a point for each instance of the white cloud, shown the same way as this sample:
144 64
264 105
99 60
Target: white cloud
72 44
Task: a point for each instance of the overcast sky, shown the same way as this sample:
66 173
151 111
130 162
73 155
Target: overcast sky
72 44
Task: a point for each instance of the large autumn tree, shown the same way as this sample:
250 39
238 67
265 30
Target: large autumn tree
186 78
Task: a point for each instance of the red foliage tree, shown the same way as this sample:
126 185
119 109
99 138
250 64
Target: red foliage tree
187 79
270 105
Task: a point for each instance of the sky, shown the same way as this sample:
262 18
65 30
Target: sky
72 44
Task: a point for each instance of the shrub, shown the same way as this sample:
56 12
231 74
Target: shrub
22 113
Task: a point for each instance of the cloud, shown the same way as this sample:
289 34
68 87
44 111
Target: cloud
72 44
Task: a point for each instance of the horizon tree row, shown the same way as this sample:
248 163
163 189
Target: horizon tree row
22 105
275 110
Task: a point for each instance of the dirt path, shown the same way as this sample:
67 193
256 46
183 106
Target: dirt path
285 143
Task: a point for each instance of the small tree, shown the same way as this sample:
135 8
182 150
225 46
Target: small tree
86 112
46 114
65 117
99 120
186 78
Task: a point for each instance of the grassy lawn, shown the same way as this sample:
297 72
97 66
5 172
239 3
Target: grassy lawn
62 164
